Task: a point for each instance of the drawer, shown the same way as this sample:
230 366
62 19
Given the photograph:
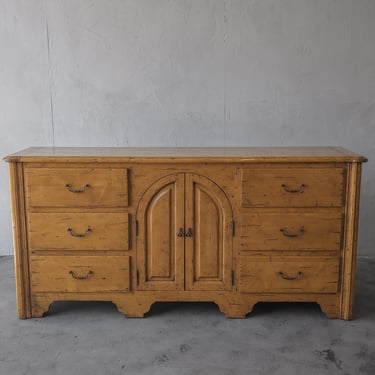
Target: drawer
79 274
291 231
289 274
78 231
76 187
293 187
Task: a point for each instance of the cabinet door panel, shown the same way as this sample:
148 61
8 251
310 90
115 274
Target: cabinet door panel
160 215
208 248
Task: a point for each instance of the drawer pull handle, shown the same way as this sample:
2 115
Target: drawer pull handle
70 188
289 190
77 277
285 232
286 277
189 233
79 235
181 233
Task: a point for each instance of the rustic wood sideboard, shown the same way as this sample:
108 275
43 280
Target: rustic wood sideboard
234 226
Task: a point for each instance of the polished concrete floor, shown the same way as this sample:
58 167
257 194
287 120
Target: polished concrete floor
188 338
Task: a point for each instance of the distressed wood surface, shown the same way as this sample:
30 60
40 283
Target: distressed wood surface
78 231
291 231
76 187
72 274
235 226
21 259
186 154
297 187
289 274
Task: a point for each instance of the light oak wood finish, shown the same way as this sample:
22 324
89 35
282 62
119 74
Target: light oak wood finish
235 226
75 274
291 231
297 187
291 274
76 187
78 231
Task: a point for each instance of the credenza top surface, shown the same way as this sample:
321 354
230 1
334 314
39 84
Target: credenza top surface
185 154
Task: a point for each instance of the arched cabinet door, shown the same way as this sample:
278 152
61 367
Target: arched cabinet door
185 235
160 250
209 223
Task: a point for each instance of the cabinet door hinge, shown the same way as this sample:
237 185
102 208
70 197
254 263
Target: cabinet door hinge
233 228
136 228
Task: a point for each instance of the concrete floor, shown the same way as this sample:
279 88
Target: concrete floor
184 339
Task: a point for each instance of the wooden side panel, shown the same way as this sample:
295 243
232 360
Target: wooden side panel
350 240
72 274
76 187
208 240
78 231
293 187
291 231
21 260
160 250
289 275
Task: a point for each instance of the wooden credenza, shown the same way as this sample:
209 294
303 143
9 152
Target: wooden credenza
235 226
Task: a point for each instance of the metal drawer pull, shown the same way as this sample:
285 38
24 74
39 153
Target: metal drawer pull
77 277
285 232
286 277
70 188
79 235
181 233
189 233
299 190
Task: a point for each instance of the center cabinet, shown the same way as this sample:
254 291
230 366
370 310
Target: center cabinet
184 235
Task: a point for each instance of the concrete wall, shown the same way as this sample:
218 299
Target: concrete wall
188 73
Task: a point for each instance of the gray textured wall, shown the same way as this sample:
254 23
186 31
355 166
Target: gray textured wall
184 73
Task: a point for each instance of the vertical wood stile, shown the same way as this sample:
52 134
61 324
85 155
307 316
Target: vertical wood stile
21 259
350 240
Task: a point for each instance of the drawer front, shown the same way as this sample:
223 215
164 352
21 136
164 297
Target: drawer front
78 231
289 275
76 187
292 187
291 231
79 274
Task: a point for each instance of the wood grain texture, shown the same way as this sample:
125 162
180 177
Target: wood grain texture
293 187
227 225
291 231
160 251
209 251
350 241
300 274
78 231
76 187
71 274
186 154
21 260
